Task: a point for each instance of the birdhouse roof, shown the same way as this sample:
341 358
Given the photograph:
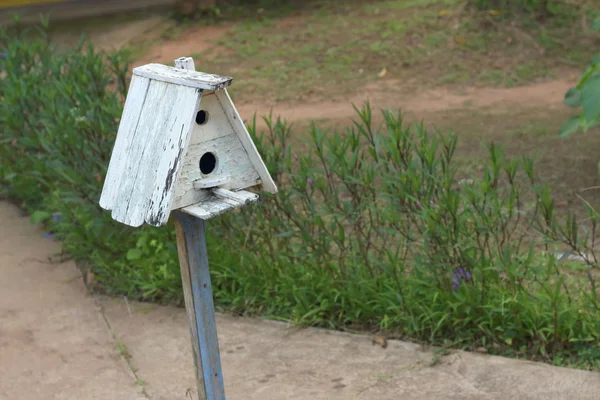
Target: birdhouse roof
184 77
153 138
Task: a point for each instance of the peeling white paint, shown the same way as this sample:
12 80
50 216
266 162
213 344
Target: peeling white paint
156 157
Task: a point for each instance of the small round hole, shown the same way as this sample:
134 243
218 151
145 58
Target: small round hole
208 163
201 117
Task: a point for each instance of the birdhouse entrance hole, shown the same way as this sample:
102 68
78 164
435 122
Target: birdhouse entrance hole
208 163
201 117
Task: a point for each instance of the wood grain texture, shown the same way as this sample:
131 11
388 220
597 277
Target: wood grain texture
220 201
188 297
153 135
170 149
208 183
135 156
208 344
240 129
186 280
197 80
185 63
125 138
234 169
243 197
154 159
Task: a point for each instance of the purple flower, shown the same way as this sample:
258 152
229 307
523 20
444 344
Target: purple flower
49 235
56 217
309 181
295 156
463 273
418 205
431 203
459 275
4 54
455 283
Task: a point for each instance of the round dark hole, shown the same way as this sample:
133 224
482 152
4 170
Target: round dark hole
208 163
201 117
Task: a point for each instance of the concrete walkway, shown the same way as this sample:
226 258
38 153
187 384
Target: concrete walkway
56 342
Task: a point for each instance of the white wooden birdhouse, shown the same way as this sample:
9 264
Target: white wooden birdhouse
181 144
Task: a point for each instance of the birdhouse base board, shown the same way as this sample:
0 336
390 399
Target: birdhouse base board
219 202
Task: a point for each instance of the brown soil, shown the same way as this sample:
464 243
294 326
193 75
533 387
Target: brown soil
392 95
199 42
524 119
202 42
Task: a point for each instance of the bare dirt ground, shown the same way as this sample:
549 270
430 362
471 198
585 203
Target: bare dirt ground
386 93
57 342
391 95
524 119
202 43
196 40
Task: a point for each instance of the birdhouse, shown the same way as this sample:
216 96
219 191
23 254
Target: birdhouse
181 145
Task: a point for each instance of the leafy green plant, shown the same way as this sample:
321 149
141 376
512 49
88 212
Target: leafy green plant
373 228
59 115
585 95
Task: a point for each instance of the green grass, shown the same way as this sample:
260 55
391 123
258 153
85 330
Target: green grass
294 52
123 349
336 48
568 165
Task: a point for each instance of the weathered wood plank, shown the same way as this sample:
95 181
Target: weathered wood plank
207 183
154 160
220 201
186 280
233 165
184 266
198 80
197 259
175 141
151 112
185 63
242 196
238 126
125 137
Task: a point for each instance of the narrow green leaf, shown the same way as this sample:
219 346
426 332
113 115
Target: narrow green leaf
585 125
573 98
596 24
39 216
570 127
134 254
590 98
589 71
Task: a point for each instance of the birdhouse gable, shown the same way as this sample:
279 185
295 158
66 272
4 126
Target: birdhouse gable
220 154
178 149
